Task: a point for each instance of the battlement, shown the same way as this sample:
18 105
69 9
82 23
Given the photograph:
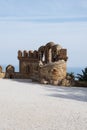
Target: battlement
46 65
51 52
28 54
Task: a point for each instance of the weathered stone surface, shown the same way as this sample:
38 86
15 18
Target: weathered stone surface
46 65
0 69
53 71
10 69
2 74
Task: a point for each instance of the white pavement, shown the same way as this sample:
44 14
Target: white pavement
30 106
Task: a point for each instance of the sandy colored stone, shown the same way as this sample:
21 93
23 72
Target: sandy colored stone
47 64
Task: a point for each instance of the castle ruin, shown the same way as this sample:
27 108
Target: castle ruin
46 65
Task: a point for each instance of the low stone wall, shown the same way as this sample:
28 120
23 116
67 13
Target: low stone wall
2 75
51 73
17 75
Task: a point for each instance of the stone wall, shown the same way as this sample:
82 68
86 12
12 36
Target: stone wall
47 64
2 74
53 72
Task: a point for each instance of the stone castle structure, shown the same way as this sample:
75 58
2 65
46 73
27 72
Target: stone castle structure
46 65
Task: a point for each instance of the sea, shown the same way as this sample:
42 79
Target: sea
74 70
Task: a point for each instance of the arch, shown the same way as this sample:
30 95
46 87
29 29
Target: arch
11 76
41 53
10 69
48 51
57 47
50 44
42 48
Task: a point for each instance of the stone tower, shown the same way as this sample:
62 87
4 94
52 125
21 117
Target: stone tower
48 63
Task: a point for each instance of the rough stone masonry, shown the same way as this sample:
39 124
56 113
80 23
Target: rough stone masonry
46 65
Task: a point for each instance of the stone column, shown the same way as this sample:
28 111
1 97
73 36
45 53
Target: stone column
48 55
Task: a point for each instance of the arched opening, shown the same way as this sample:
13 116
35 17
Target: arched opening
41 55
11 76
10 69
43 58
48 52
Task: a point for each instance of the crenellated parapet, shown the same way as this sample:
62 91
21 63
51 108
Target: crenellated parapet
46 65
51 52
27 54
20 54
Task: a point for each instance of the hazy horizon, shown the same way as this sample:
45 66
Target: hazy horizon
29 24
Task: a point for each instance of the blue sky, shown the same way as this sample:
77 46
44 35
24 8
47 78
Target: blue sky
28 24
